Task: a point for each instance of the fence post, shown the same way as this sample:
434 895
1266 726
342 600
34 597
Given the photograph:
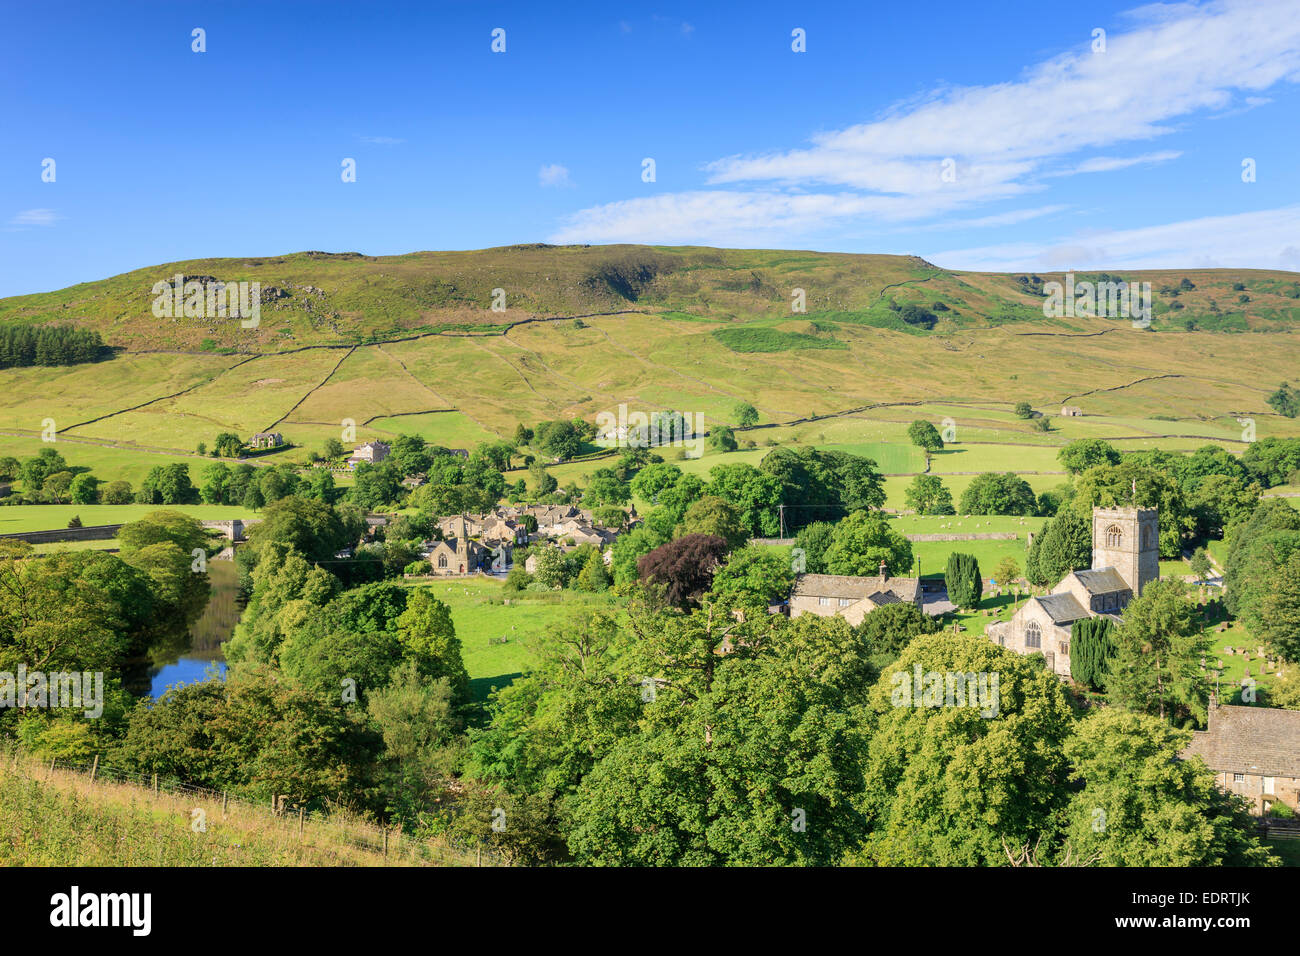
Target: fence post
50 776
300 817
478 855
94 768
223 804
385 841
155 783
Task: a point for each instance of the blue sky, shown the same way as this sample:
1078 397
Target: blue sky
1058 156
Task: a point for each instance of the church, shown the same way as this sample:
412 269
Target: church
1125 559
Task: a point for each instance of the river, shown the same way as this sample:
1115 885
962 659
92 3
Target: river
200 657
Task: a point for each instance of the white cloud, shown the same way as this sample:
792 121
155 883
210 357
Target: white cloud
554 175
720 217
1265 239
382 140
1186 58
1003 140
35 217
1011 218
1108 164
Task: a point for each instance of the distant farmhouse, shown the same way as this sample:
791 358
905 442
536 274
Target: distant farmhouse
850 596
1071 411
372 452
1254 752
1125 558
266 440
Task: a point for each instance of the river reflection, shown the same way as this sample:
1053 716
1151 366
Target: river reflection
199 658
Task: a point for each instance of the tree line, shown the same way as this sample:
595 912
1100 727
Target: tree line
26 345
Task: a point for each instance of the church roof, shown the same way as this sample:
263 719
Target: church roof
1062 608
1102 581
1255 740
856 588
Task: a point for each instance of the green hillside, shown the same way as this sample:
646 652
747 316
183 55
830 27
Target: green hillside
410 343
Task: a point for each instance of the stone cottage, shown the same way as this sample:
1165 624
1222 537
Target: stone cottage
1254 752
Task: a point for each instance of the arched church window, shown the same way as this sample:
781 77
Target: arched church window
442 560
1033 635
1114 537
1148 537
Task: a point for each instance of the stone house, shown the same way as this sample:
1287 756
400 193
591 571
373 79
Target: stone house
372 452
492 528
266 440
1253 751
850 596
1125 557
1071 411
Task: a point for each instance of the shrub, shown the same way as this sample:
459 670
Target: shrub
965 584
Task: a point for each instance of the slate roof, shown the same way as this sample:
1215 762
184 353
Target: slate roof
856 588
1254 740
1102 581
1062 608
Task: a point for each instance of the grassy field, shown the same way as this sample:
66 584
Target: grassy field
50 517
108 462
482 618
933 555
108 544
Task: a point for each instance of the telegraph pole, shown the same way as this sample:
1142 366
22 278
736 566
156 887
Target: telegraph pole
781 512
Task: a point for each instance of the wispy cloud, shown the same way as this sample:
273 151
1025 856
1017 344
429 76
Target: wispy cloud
554 176
1010 218
1108 164
959 146
35 217
1265 239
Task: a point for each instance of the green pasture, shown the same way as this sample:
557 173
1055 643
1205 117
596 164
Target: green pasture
18 518
482 618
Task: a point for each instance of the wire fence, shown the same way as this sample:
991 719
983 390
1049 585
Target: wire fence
338 827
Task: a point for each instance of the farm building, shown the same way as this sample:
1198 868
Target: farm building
266 440
372 452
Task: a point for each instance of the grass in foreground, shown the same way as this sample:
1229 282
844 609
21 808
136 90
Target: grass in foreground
61 819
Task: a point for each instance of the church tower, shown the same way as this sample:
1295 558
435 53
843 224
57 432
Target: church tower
1128 540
